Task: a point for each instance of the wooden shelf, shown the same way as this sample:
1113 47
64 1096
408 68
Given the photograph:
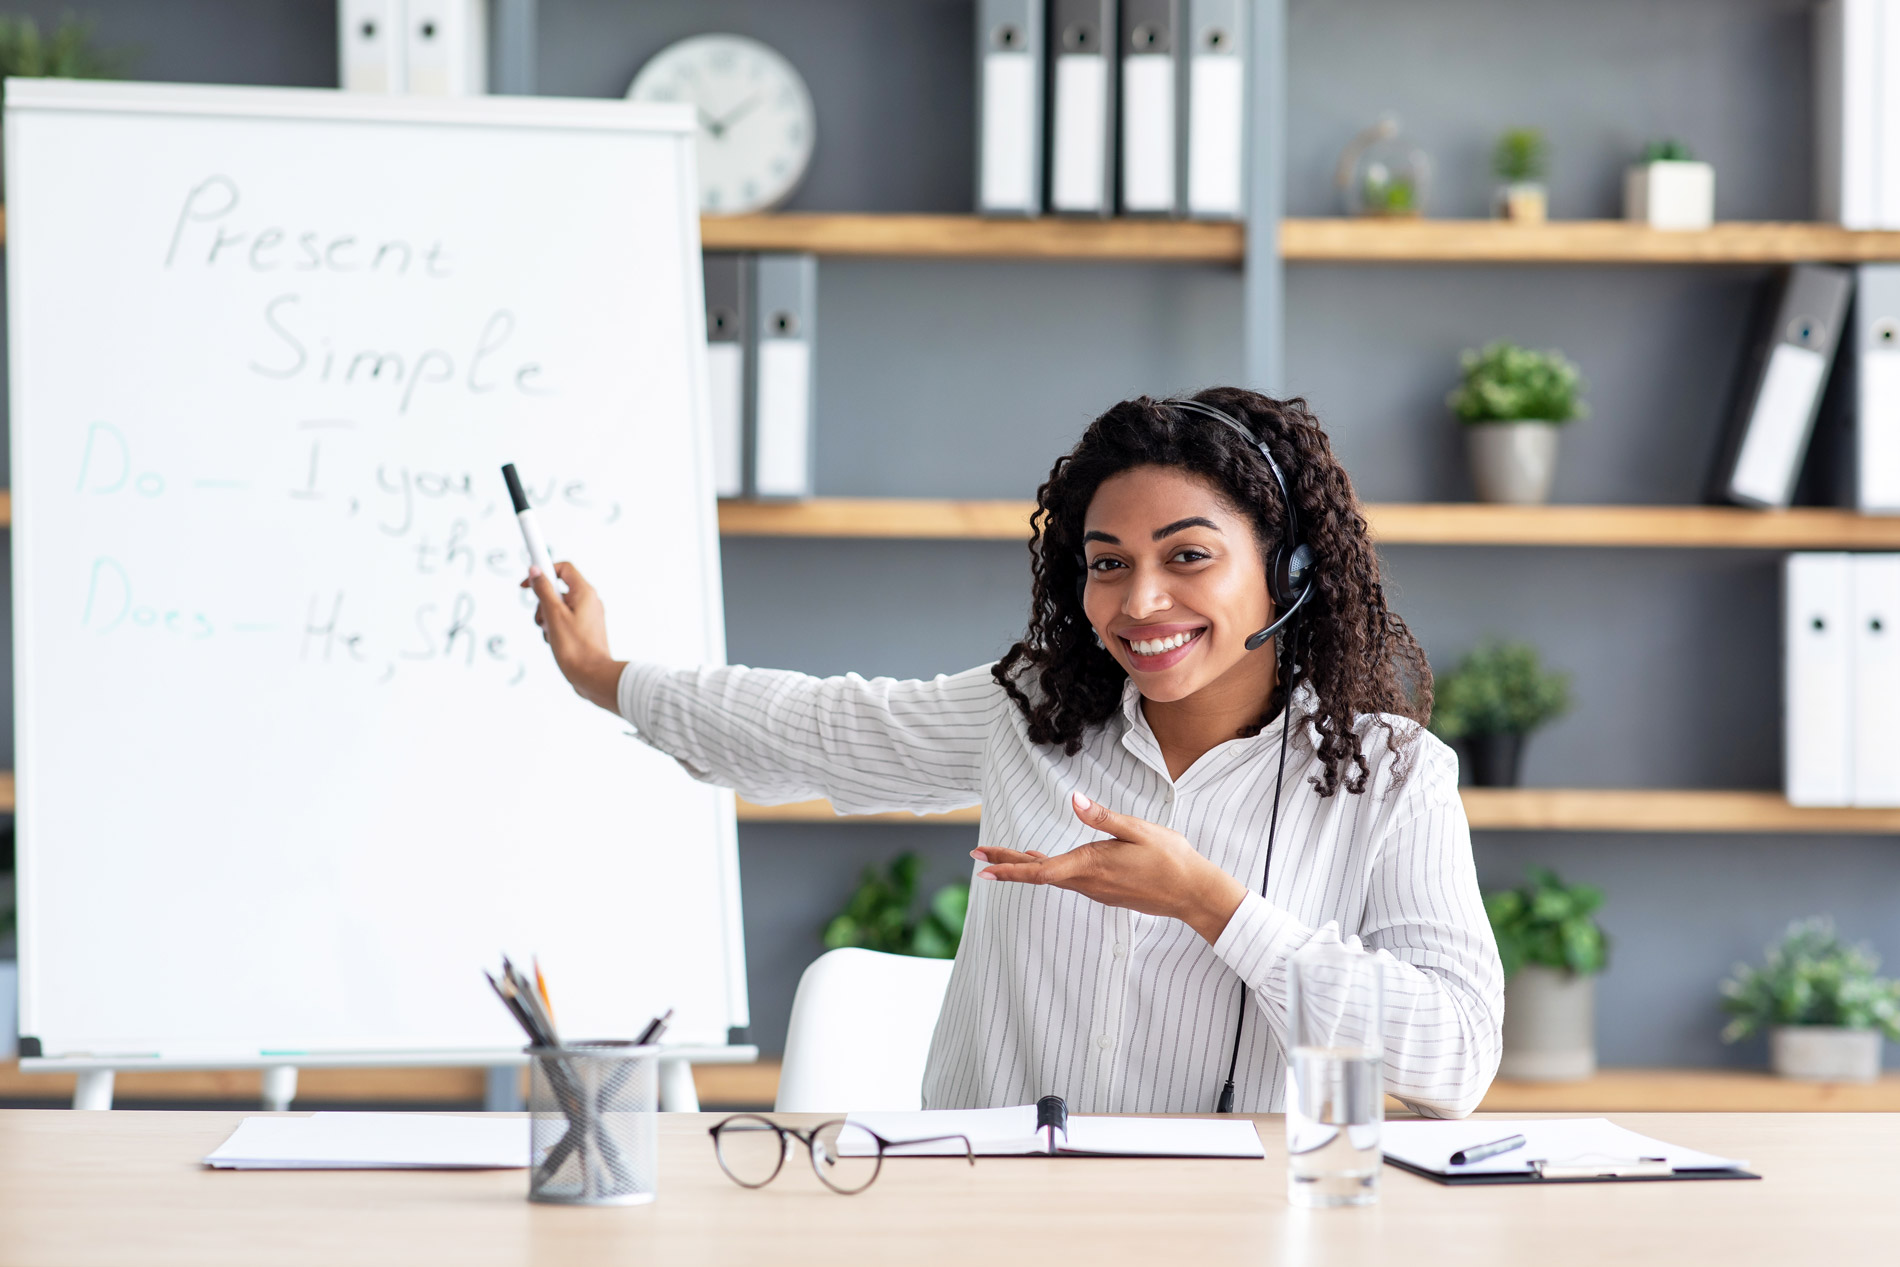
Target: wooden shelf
1692 1091
726 1087
1392 523
1523 809
1453 523
1321 240
1425 241
976 237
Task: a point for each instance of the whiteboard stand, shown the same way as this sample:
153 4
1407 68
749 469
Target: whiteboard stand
94 1087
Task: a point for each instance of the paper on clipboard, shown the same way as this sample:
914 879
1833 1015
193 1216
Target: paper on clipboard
1579 1141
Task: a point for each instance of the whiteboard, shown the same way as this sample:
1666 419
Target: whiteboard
294 762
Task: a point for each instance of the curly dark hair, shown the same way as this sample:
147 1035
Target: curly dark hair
1353 651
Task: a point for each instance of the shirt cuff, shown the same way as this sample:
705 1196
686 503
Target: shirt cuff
634 694
1258 939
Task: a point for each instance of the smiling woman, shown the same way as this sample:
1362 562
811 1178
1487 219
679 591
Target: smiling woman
1136 951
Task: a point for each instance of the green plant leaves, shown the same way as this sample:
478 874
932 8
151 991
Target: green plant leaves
1521 155
1549 923
1499 689
877 915
67 54
1507 383
1811 978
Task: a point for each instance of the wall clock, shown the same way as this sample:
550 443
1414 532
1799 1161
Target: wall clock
756 124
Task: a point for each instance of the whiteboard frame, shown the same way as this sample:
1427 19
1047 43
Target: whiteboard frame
60 96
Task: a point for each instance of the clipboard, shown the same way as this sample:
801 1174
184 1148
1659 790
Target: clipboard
1627 1170
1555 1150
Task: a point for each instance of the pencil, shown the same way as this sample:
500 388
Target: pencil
541 984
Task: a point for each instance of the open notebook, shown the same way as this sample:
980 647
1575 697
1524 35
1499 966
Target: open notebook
1029 1130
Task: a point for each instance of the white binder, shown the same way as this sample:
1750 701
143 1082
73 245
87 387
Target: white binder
1817 679
1876 425
447 47
369 42
1875 744
1082 107
727 330
1216 109
784 293
1848 42
1009 52
1150 99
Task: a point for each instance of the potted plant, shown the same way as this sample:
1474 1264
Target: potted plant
1823 1005
1552 948
1512 401
1668 189
879 917
68 53
1520 161
1489 705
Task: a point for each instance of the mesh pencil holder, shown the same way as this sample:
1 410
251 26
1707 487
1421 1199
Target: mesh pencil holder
594 1124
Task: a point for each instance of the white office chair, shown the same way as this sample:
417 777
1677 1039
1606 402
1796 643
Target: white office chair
860 1030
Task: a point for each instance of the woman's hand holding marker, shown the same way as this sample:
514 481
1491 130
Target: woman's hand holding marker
575 627
1141 866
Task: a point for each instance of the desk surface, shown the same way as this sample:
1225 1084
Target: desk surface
119 1187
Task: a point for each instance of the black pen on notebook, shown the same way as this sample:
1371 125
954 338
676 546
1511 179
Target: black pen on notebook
1478 1152
530 529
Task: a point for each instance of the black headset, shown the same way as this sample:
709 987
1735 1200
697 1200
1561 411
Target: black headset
1292 577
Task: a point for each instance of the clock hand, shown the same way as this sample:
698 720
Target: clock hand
711 124
740 111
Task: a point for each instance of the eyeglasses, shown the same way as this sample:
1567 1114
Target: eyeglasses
846 1157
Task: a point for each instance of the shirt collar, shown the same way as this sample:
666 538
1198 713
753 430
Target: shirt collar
1140 740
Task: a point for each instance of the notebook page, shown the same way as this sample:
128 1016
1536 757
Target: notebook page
1162 1137
374 1141
992 1132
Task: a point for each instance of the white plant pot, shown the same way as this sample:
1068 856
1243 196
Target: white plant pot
1512 462
1550 1025
1670 195
1824 1053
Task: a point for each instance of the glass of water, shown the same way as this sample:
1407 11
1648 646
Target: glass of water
1335 1088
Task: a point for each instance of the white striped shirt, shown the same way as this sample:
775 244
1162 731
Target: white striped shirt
1119 1012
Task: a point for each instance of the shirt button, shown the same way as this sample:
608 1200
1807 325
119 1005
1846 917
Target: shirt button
1121 951
1105 1042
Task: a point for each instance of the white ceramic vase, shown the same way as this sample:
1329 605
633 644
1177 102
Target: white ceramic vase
1512 462
1550 1025
1824 1053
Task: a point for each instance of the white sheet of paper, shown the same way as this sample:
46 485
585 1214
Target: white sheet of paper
1163 1137
1578 1140
374 1141
1012 1132
992 1132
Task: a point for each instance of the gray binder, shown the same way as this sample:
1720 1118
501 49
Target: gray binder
1082 39
728 330
1214 125
1009 122
1781 386
784 295
1151 82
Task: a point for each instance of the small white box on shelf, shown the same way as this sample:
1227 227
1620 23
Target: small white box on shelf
1670 195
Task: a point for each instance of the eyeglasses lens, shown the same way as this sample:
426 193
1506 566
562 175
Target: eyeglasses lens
845 1157
750 1150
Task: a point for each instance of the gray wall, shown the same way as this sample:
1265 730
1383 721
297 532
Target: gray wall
966 379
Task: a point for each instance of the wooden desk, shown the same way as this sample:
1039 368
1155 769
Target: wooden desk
113 1188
